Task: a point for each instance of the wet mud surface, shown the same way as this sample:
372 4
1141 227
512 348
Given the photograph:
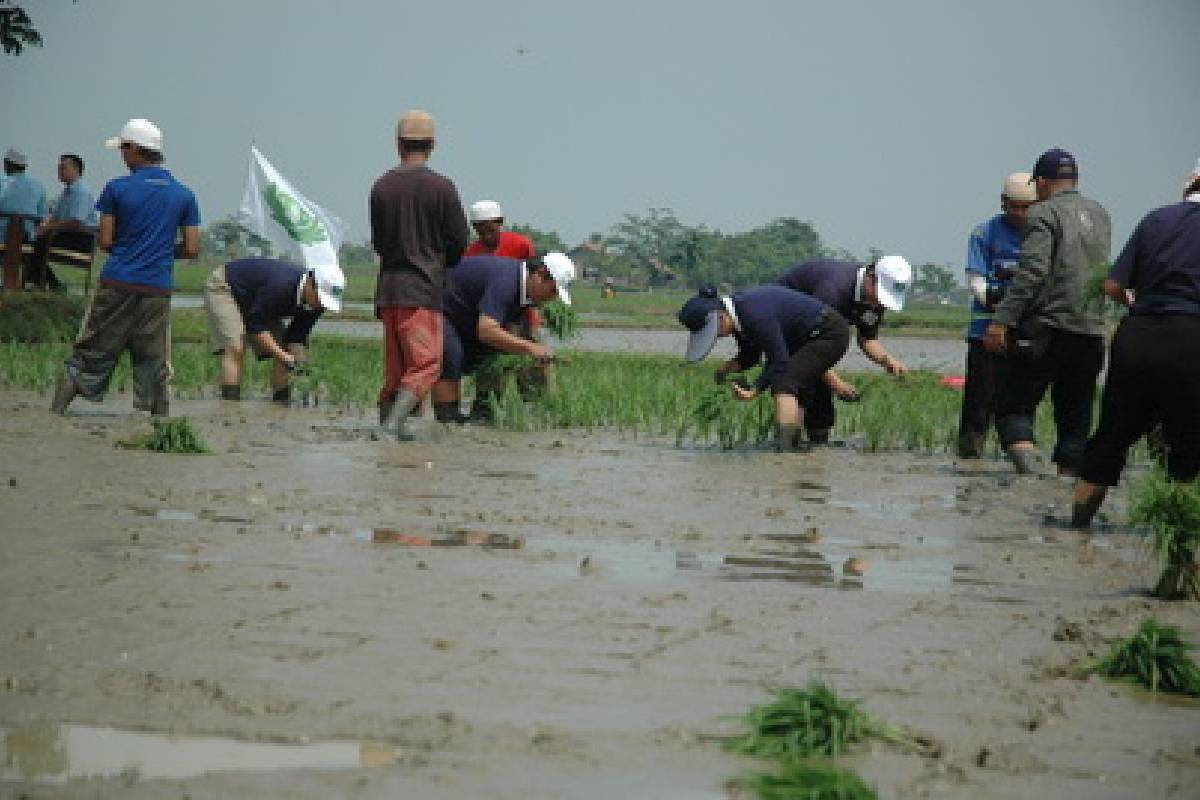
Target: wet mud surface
309 613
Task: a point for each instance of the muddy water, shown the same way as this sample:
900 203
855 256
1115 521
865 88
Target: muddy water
656 592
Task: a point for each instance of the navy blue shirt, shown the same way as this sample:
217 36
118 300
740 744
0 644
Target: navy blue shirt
489 285
150 207
1161 261
266 291
773 322
834 283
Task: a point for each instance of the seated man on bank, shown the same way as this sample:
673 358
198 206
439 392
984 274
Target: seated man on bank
71 223
251 298
20 194
484 294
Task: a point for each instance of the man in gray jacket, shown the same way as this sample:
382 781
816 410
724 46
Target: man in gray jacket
1047 322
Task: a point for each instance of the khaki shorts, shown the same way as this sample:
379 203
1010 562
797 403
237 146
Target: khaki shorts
226 327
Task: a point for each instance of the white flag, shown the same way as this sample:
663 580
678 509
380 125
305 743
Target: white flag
293 224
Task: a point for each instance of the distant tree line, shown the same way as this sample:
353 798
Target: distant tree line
654 249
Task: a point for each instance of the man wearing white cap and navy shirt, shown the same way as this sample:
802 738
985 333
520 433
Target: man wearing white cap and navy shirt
140 216
860 293
483 295
800 337
251 298
1051 329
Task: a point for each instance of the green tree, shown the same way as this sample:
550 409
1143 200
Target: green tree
543 241
759 255
17 30
350 254
228 239
934 280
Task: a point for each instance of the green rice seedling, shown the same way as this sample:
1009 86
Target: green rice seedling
170 436
561 320
807 781
1156 657
800 723
1171 509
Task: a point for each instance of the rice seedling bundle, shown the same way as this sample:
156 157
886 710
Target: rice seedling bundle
1156 657
800 723
807 781
1171 509
170 436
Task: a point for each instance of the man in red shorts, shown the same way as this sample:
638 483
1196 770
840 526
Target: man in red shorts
419 230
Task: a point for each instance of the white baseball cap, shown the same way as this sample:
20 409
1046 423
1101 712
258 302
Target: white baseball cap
485 210
141 132
1019 186
330 282
562 269
893 275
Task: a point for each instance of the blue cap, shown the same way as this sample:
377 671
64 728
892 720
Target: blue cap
1055 164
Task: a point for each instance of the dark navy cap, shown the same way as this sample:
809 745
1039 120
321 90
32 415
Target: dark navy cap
702 316
1056 163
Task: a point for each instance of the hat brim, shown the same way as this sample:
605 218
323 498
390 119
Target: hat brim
328 301
113 143
701 342
889 299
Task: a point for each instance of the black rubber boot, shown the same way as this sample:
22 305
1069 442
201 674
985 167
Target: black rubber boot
1026 461
481 410
231 391
385 410
970 445
396 422
1082 513
282 396
160 405
818 436
64 393
448 412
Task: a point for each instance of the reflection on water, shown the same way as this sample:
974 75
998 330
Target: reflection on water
51 753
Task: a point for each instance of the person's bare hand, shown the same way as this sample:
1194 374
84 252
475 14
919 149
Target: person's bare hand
742 392
540 352
845 391
895 367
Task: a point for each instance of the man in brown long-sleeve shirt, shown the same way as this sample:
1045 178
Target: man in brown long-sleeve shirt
419 230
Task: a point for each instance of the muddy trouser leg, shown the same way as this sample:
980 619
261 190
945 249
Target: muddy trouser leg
1018 396
149 351
1080 359
103 335
819 414
979 398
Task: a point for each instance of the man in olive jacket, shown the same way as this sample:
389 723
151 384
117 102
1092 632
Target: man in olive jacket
1047 321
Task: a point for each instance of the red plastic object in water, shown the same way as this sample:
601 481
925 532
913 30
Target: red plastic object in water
953 382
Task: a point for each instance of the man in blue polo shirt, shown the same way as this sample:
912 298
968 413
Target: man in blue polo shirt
71 223
140 216
993 252
484 294
860 293
20 193
251 298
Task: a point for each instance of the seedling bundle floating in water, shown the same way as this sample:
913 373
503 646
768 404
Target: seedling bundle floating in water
170 436
1156 657
805 781
1172 511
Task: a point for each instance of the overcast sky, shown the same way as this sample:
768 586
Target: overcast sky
885 124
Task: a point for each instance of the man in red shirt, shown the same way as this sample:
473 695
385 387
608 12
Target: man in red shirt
487 218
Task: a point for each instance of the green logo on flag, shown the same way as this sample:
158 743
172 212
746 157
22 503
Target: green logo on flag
300 224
